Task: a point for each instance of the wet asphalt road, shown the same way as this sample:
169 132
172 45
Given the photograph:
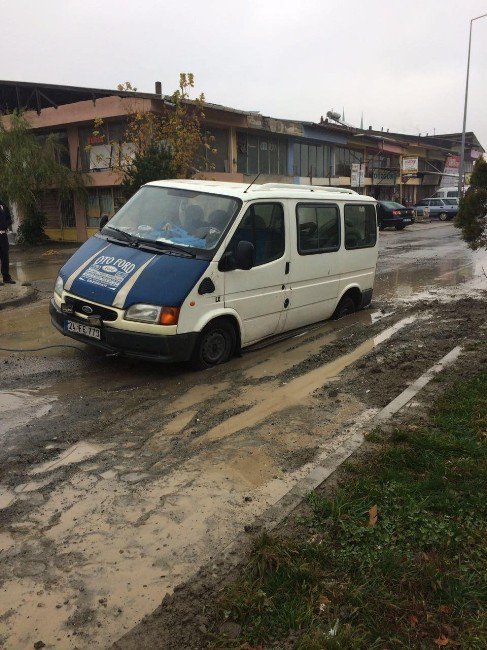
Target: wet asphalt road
118 478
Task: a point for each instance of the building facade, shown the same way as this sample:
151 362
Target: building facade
385 165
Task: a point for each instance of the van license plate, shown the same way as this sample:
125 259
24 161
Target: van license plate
85 330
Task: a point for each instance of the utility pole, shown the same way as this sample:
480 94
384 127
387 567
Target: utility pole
462 152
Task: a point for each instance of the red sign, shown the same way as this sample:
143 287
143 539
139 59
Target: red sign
96 139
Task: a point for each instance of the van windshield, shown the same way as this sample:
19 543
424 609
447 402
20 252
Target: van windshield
177 217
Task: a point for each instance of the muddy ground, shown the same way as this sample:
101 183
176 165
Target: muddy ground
193 616
119 480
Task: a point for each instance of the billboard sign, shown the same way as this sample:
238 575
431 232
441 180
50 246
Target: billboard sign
450 171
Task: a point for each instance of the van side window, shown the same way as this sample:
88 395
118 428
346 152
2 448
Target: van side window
360 226
318 228
263 226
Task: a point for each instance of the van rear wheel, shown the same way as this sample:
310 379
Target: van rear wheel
345 307
215 345
443 216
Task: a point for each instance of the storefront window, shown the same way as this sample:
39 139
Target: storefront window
261 154
102 201
311 159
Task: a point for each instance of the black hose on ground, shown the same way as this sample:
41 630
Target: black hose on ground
44 347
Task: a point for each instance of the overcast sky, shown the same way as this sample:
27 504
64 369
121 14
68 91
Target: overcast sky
402 64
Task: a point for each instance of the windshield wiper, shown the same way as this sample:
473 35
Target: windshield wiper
163 246
126 237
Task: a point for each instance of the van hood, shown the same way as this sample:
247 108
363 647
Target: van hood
121 276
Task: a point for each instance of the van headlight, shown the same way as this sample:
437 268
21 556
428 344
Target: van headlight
153 314
59 286
143 313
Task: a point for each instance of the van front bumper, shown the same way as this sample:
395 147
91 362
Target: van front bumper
174 348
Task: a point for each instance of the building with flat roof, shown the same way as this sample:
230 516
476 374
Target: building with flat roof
384 165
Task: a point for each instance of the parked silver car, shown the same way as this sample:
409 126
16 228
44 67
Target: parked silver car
442 209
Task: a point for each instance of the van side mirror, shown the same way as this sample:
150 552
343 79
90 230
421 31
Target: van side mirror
245 255
103 221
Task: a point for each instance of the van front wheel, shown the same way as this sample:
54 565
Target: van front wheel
345 307
215 345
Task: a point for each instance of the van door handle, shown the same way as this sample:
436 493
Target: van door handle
287 268
286 303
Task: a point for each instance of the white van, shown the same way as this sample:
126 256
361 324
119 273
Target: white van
447 193
200 269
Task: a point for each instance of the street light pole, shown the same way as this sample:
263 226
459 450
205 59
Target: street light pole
462 152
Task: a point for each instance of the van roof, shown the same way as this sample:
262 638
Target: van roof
266 190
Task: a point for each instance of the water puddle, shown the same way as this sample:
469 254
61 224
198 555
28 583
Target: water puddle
441 272
30 271
197 395
174 426
7 497
19 407
297 389
76 454
29 327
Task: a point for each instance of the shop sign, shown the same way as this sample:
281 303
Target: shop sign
410 165
450 171
383 177
357 176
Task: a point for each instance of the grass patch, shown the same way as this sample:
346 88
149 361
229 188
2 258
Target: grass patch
414 576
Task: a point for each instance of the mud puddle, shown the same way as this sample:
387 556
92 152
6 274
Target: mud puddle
274 399
117 532
466 272
30 271
76 454
19 407
30 327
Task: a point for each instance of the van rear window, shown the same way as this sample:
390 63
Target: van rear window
360 226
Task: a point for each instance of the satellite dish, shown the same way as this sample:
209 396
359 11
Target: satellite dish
332 115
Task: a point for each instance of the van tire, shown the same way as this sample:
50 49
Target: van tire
443 216
215 345
345 307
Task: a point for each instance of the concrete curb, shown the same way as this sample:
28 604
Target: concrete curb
28 296
328 461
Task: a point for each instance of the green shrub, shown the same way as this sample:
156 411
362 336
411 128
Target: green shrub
31 229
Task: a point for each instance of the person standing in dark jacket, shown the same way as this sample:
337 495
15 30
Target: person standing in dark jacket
5 225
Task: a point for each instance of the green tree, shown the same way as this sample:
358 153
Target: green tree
175 131
152 164
472 214
30 165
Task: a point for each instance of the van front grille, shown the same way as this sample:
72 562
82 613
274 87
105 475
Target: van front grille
103 312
